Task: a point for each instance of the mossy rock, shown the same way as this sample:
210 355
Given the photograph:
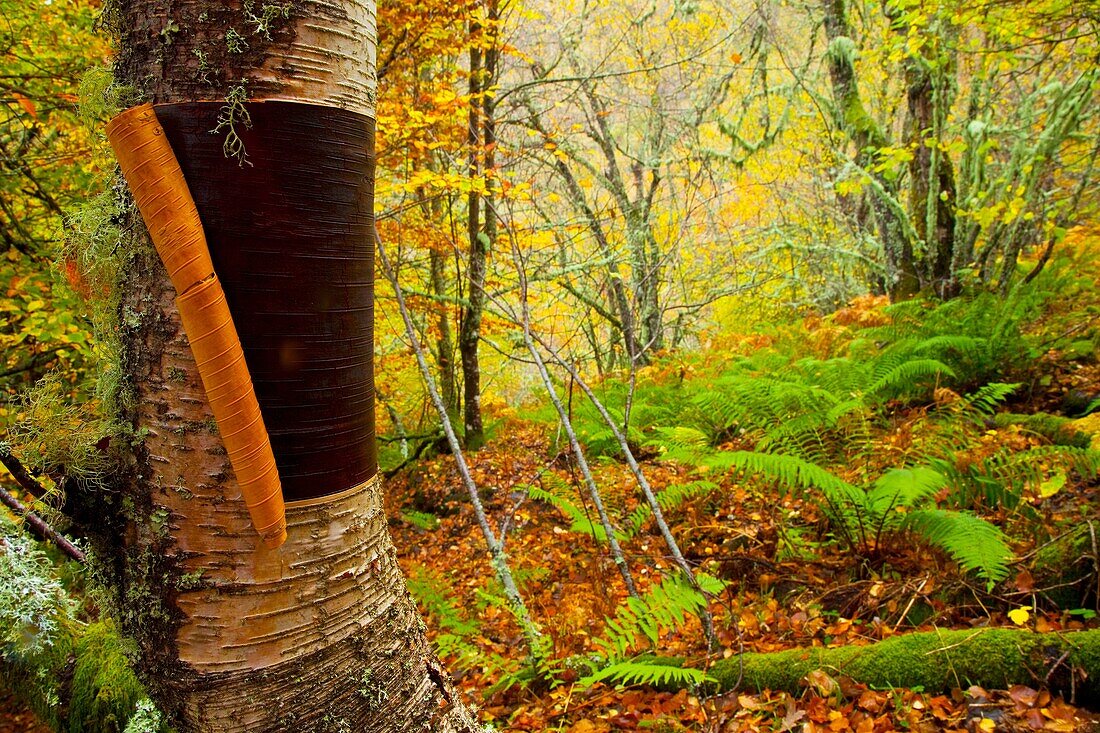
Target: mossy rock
1090 425
1058 430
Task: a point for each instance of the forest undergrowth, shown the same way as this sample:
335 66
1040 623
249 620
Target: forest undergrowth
839 481
835 481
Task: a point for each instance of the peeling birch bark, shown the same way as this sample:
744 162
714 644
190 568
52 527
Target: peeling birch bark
320 634
323 53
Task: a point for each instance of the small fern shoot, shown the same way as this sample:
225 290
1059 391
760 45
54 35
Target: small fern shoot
648 671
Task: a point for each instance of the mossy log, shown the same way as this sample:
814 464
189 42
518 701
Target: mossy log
937 661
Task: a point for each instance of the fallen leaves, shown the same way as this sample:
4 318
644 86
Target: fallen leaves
779 601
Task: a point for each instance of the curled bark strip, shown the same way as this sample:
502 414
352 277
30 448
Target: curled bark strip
220 360
161 193
150 167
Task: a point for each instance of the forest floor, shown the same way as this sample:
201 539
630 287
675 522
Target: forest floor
789 582
16 717
772 603
789 579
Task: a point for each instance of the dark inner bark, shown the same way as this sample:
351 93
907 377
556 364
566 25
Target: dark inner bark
290 236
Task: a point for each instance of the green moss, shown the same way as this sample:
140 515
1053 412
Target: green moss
105 692
937 661
75 676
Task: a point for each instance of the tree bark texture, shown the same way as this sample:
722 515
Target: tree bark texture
320 634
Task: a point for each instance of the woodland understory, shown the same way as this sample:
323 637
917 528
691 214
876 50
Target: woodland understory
792 574
737 368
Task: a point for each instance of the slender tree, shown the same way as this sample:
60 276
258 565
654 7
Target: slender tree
481 225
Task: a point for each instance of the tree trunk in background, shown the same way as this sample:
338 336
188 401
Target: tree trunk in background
932 195
445 348
320 634
931 184
482 66
862 130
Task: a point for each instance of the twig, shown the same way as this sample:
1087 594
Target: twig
1061 660
911 602
40 528
977 633
19 473
413 456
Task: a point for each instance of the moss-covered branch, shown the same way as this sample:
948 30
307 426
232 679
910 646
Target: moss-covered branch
937 661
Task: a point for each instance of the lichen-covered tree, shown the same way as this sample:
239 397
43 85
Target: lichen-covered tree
269 107
959 188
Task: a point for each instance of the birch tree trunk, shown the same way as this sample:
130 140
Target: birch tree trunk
319 634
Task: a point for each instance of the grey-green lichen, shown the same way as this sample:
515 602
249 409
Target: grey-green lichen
76 675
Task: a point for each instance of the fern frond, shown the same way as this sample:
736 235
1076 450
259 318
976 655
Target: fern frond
669 499
663 607
682 437
986 399
579 520
647 671
908 374
792 471
436 595
904 488
1002 477
975 544
941 344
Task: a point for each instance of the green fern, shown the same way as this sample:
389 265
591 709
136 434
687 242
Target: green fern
903 488
790 470
580 520
664 607
1001 479
975 544
668 499
456 627
990 396
867 518
906 374
434 593
648 671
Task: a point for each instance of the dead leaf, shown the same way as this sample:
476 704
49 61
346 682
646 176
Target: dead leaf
26 104
821 683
